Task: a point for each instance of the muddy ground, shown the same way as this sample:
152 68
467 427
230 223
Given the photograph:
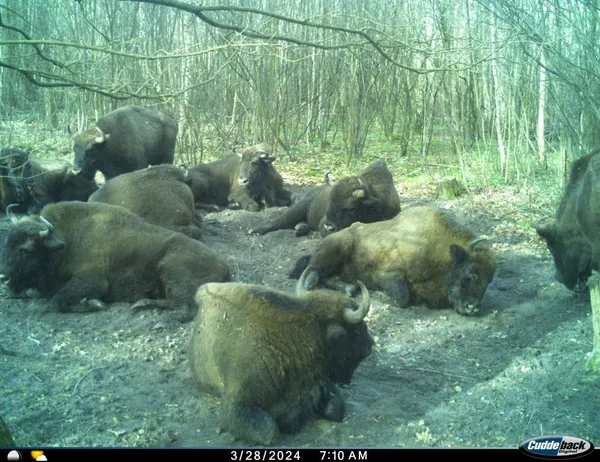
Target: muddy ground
514 371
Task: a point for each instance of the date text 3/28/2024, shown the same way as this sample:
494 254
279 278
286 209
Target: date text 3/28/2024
295 455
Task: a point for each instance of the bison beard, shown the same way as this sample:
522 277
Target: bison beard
85 251
246 180
127 139
420 256
367 198
572 237
281 366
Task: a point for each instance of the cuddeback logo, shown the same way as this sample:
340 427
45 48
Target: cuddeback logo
550 447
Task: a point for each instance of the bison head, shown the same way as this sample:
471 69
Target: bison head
27 254
76 187
350 201
15 169
471 272
88 147
254 167
347 340
571 252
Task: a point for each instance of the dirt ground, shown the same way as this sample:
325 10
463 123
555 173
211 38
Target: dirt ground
514 371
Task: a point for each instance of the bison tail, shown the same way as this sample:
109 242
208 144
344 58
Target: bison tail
299 267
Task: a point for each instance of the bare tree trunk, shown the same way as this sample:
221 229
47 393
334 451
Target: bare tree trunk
541 112
497 100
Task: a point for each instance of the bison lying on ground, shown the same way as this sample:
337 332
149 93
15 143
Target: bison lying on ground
368 197
247 180
572 238
158 194
15 179
274 357
420 256
29 185
94 251
57 185
127 139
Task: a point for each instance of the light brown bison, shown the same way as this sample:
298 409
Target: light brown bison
367 198
89 250
158 194
273 357
572 237
420 256
127 139
246 180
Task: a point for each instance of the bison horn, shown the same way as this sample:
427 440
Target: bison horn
49 225
101 137
308 280
474 242
355 316
10 213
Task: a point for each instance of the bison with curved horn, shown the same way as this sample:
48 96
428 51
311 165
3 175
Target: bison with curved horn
420 256
275 358
78 252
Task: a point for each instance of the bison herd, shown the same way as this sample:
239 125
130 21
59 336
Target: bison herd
137 238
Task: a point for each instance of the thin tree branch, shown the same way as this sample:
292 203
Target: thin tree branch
199 12
29 42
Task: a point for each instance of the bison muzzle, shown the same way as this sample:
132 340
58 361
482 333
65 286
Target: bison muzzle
275 358
420 256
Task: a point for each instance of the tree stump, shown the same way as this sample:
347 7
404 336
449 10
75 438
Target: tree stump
594 285
448 188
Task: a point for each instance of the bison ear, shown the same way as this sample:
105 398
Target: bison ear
458 254
54 243
547 232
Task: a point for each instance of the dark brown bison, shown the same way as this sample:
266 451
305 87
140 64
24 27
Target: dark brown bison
367 198
127 139
57 185
29 185
273 357
89 250
15 179
572 237
158 194
420 256
246 180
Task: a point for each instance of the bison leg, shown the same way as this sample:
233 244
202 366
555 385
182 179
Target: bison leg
239 198
398 291
250 423
77 289
334 407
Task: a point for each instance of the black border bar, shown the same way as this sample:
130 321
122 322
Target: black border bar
260 454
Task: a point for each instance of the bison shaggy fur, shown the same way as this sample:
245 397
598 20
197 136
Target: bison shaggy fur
29 185
158 194
247 180
89 250
127 139
275 358
367 198
420 256
572 237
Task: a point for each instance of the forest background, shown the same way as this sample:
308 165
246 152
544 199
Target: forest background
496 93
